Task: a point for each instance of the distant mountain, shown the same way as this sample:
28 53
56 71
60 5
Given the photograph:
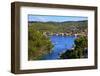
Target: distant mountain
66 26
57 22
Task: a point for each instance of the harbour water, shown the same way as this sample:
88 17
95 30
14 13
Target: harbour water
61 44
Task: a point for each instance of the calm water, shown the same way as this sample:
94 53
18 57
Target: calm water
61 44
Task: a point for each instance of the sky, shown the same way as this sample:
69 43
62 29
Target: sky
47 18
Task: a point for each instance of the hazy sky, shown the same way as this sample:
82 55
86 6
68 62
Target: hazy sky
45 18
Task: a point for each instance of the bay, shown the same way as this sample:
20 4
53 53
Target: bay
61 44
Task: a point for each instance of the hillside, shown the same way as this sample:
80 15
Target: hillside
60 27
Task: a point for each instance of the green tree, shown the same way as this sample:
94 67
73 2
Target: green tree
79 50
81 44
38 44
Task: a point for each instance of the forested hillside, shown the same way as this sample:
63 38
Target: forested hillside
64 27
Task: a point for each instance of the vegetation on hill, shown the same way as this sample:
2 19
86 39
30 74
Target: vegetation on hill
38 44
68 26
79 51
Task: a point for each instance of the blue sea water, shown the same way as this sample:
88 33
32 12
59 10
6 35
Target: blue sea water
61 44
